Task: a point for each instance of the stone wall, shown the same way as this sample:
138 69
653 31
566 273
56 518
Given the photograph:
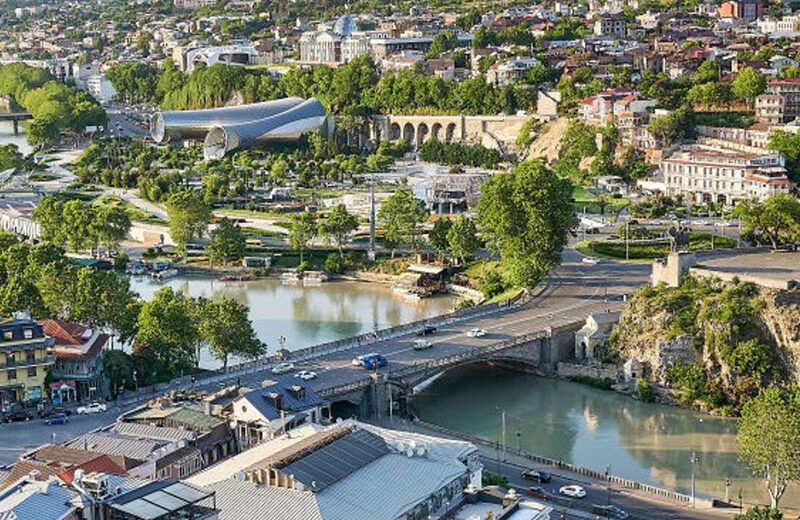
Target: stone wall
597 372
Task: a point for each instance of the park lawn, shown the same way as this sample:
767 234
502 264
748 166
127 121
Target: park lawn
288 259
648 251
474 269
251 213
508 294
585 199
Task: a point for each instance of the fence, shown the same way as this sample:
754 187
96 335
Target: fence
572 468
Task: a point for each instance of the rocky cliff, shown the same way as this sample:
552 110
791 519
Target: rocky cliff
717 343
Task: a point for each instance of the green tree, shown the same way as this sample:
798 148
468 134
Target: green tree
769 438
528 213
463 238
229 332
788 144
337 226
759 513
110 226
442 42
777 219
48 214
227 244
302 230
20 294
100 298
469 20
438 235
10 157
118 369
188 217
77 220
402 216
748 84
167 333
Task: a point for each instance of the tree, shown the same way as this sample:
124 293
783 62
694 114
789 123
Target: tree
20 294
188 217
777 219
110 226
302 230
462 238
788 144
338 225
769 438
442 42
469 20
48 214
758 513
77 220
118 368
438 235
528 213
402 216
100 298
10 157
167 333
228 330
748 84
228 243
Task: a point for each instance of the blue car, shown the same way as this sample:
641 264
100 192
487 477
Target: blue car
376 361
57 418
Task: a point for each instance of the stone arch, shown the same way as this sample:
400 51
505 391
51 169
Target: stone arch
422 134
450 133
436 130
722 199
408 133
394 132
707 197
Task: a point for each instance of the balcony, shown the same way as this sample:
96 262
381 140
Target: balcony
22 363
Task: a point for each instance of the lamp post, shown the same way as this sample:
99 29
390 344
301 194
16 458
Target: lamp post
519 434
503 415
694 460
727 489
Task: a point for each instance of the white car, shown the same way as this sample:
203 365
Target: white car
722 223
700 222
656 222
305 375
476 333
573 491
91 408
589 260
282 368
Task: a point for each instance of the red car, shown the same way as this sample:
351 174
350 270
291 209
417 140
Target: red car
537 492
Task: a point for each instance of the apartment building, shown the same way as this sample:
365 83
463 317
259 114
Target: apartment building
25 357
78 369
610 26
194 4
781 102
710 174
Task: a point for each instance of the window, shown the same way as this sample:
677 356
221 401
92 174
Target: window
28 333
31 371
10 359
30 356
8 335
12 374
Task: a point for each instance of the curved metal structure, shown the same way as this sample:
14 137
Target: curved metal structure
195 124
287 125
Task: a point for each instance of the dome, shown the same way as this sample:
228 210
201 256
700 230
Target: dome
345 25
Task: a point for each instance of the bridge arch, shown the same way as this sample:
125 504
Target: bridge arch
408 133
422 134
436 130
450 133
394 132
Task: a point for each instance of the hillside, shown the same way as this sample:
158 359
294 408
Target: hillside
716 343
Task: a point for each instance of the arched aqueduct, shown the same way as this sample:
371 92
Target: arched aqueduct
490 131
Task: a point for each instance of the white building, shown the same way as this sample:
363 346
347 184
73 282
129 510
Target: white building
610 26
17 217
709 174
100 88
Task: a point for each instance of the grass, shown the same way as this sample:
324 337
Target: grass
649 250
585 199
508 294
251 213
134 212
743 119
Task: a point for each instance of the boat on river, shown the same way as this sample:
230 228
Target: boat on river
164 274
242 277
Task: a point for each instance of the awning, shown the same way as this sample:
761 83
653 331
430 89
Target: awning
62 385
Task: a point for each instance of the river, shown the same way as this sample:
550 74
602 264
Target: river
7 136
594 428
305 315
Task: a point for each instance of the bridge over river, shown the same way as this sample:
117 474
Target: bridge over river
535 333
15 117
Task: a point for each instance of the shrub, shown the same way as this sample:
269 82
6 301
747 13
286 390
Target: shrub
645 391
335 264
466 303
603 383
494 479
491 284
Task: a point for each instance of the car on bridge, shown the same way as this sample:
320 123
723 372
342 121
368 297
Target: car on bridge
359 360
476 333
537 475
422 344
306 375
430 329
282 368
537 492
572 491
610 511
375 361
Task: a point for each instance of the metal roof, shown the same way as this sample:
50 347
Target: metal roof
338 459
261 401
157 499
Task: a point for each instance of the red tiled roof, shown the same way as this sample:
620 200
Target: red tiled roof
23 468
69 339
101 464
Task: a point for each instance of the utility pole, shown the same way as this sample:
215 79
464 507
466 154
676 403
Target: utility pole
694 460
504 435
371 253
727 489
519 434
391 412
627 223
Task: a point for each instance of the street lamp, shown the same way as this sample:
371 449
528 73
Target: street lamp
694 460
519 434
503 415
727 489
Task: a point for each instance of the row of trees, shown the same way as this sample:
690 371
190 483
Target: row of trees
336 227
436 151
80 225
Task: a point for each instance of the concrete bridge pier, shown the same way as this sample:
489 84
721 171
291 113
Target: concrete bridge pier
16 126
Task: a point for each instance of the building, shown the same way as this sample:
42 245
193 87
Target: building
17 217
710 174
78 370
745 10
349 470
511 70
194 4
59 68
100 88
320 47
594 334
781 102
27 355
610 27
279 406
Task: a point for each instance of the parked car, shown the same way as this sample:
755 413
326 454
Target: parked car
589 260
17 415
282 368
572 491
537 492
723 223
476 333
656 222
537 475
359 360
305 375
47 412
91 408
422 344
430 329
610 511
56 418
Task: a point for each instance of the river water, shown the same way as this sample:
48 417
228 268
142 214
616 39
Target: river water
575 423
305 315
7 136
